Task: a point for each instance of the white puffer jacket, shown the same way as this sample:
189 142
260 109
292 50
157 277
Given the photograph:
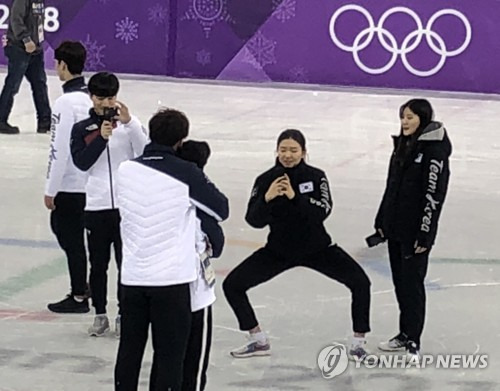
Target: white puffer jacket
158 194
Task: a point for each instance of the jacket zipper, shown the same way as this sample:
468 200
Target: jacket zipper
110 178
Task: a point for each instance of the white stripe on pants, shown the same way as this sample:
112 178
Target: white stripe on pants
198 351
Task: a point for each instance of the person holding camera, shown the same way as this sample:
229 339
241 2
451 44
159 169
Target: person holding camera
24 54
98 145
65 184
408 216
294 200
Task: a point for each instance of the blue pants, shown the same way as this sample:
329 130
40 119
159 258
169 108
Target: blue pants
20 64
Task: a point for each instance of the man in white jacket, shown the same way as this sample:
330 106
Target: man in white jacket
65 184
98 145
158 194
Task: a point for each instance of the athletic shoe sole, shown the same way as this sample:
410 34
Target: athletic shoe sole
261 353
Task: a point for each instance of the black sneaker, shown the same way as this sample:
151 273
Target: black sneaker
5 128
43 127
412 353
70 306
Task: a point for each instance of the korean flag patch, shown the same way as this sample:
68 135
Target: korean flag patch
306 187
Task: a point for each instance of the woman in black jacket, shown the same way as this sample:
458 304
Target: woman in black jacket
409 213
294 199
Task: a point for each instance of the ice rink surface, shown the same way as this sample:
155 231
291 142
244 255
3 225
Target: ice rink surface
348 136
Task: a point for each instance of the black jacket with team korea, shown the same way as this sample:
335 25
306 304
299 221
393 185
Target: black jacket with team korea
296 226
416 190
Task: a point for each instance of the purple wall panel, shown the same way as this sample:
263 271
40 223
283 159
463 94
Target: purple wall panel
376 44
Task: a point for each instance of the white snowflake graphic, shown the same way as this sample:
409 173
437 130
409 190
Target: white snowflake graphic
203 57
157 14
127 30
299 74
284 9
208 13
250 59
259 51
94 54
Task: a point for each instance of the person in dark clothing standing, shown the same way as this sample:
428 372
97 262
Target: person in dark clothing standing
24 53
293 199
409 212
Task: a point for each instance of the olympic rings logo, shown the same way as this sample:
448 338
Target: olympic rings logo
409 44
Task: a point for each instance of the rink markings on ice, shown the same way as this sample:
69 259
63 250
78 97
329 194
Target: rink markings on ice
32 278
28 243
382 267
38 275
18 314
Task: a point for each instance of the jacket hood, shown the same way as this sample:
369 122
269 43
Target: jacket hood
435 131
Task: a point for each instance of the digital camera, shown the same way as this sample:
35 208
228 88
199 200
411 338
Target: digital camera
109 113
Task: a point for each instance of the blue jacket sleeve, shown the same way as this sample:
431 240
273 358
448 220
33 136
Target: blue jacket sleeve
86 147
206 197
214 232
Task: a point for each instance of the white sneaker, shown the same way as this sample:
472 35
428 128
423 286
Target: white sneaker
358 351
252 348
100 326
395 344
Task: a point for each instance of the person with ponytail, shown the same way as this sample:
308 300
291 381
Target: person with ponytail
409 212
294 200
